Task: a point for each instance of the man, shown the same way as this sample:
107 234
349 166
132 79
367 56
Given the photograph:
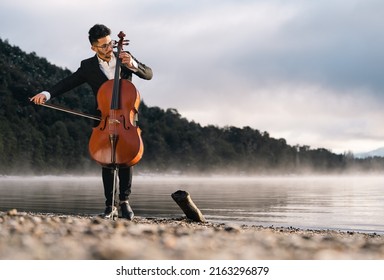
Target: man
95 71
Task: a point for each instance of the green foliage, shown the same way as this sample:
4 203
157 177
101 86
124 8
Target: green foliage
32 138
40 140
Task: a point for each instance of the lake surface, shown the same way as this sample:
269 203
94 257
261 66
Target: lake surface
342 203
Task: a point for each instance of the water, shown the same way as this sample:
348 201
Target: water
341 203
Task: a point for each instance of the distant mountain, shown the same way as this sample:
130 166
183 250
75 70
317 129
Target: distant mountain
375 153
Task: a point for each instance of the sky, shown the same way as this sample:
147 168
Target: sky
310 72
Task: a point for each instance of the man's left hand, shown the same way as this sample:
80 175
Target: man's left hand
127 59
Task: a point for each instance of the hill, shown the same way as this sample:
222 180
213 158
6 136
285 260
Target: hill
40 141
375 153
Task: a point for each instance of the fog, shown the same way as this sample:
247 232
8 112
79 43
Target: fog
315 202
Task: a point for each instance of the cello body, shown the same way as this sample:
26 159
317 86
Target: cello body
116 141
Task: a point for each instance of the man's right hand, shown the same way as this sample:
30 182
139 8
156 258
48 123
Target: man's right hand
39 99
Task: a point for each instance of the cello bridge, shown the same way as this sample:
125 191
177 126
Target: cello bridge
113 121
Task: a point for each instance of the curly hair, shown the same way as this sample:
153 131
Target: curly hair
98 31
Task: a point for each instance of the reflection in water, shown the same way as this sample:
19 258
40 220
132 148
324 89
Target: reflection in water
307 202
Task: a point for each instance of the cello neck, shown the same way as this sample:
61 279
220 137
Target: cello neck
116 83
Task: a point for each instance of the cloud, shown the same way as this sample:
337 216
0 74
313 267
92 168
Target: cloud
308 71
302 114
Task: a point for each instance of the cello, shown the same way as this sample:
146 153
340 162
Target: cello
116 141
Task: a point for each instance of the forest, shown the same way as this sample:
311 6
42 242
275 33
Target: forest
39 140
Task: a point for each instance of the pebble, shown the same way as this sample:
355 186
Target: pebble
35 236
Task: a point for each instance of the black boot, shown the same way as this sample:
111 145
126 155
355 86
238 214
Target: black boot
126 210
110 212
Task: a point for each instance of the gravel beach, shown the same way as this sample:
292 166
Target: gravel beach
36 236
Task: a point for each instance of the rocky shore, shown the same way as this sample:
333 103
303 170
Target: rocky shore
31 236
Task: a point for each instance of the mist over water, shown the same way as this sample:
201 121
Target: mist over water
354 203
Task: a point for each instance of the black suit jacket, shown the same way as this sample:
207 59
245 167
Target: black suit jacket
89 72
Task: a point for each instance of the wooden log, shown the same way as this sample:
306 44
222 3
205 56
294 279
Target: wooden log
183 199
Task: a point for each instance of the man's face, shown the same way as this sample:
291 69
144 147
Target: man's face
104 48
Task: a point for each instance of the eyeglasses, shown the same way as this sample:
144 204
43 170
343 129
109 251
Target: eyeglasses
106 46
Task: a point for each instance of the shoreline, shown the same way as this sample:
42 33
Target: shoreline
46 236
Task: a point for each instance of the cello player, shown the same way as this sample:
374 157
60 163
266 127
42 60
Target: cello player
95 71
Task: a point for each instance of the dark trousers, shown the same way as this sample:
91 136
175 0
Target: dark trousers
124 184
